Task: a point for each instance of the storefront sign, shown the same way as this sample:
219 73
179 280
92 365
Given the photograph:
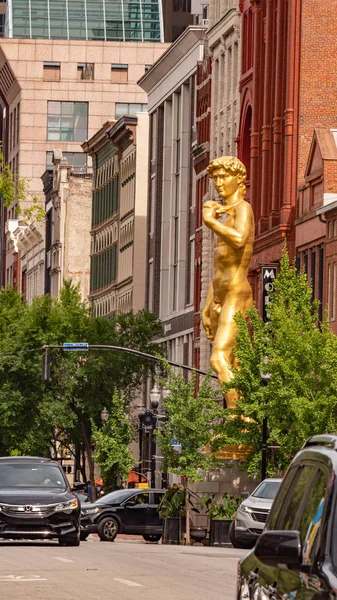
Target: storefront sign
269 274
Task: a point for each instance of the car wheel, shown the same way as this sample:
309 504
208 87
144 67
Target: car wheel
235 542
107 529
70 540
148 537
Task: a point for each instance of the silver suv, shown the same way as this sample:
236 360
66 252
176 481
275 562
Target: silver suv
252 514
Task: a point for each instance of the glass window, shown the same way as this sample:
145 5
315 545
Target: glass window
75 159
143 498
311 517
157 498
129 109
267 489
31 475
301 484
280 499
114 497
67 121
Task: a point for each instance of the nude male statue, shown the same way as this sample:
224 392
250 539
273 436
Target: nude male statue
233 225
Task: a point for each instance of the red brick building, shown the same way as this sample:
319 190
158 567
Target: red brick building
201 160
316 223
288 88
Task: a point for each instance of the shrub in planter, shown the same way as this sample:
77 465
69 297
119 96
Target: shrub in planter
221 511
172 509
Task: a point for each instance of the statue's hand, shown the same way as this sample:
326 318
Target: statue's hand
209 211
206 321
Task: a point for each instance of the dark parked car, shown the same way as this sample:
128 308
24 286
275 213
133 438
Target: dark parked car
124 511
36 501
296 556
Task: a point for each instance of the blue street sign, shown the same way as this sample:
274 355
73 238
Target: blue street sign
176 447
76 346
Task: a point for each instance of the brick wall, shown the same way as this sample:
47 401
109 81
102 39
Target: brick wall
318 80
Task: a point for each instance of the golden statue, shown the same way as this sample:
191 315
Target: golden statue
230 292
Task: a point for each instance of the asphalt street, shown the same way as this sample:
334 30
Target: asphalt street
123 570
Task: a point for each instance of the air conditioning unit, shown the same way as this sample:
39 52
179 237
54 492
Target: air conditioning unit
204 22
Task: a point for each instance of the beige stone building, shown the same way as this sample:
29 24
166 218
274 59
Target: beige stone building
119 215
68 214
171 88
58 93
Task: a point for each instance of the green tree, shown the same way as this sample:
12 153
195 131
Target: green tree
301 358
36 414
15 190
191 420
112 444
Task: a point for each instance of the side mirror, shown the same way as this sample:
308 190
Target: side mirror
277 547
244 495
130 503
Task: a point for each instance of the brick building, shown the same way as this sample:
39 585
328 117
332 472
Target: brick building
288 84
201 160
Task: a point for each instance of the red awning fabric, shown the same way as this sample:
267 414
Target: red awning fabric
134 478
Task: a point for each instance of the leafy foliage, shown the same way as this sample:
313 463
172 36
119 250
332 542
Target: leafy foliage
15 190
191 419
223 507
112 450
172 503
36 415
301 360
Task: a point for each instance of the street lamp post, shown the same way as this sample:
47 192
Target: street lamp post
155 397
148 422
105 415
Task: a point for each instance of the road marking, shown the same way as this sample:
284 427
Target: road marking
21 578
127 582
67 560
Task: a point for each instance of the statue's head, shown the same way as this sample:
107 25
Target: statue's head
228 174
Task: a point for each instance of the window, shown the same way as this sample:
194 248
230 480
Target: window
75 159
67 121
119 73
51 71
141 498
280 499
86 71
311 515
157 498
128 109
299 489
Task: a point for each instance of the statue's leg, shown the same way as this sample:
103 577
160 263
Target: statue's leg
222 359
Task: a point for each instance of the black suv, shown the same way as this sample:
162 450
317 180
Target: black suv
36 501
124 511
296 556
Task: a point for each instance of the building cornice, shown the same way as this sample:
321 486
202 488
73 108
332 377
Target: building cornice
123 133
177 51
99 140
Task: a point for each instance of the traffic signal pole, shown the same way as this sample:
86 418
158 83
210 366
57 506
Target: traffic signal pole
83 347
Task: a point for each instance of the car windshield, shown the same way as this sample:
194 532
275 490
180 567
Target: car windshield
267 490
31 475
114 497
